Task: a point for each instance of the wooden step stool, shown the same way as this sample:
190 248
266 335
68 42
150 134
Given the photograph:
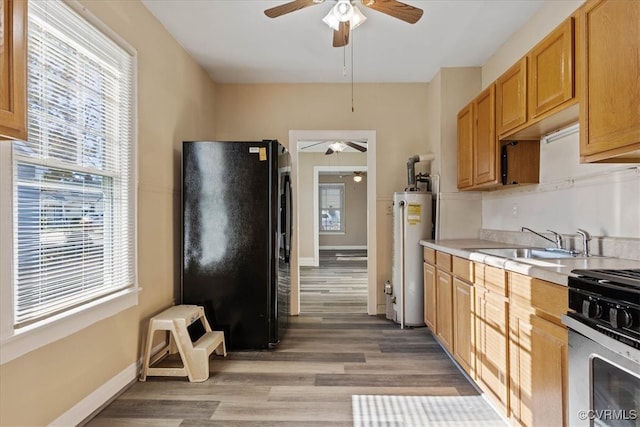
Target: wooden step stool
195 356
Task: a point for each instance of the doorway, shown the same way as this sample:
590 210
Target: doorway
304 234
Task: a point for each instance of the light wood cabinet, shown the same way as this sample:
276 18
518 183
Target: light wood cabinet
491 349
444 310
551 70
430 296
491 346
538 345
511 97
13 52
464 325
486 155
465 146
610 106
478 153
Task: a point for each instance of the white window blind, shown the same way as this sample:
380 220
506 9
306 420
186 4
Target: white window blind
74 213
331 207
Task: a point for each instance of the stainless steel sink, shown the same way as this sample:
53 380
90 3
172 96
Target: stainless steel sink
529 253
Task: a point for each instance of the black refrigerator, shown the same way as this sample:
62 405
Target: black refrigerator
236 238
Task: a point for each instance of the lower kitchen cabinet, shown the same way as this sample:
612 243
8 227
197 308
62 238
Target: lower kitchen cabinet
491 346
464 325
505 330
444 309
430 296
538 344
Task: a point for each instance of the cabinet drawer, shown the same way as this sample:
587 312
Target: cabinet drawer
548 300
443 260
493 279
463 268
429 255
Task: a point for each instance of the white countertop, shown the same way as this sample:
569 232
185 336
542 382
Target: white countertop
551 270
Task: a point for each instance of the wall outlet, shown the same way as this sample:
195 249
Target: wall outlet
514 210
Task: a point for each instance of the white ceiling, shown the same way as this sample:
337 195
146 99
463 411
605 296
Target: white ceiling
236 43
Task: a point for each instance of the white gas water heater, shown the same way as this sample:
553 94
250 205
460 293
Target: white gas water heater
412 222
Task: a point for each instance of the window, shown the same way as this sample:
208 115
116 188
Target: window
331 208
73 207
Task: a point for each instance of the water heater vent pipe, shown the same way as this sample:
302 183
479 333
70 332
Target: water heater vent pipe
411 170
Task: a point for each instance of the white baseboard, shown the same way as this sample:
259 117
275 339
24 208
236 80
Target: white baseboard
87 406
345 248
307 262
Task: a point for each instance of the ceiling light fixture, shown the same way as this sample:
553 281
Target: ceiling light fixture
344 11
357 176
337 146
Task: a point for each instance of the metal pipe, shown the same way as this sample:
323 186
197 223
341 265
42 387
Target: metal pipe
411 171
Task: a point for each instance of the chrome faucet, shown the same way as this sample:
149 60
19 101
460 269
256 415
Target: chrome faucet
586 238
557 241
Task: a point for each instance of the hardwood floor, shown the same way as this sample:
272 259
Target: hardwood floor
338 285
329 370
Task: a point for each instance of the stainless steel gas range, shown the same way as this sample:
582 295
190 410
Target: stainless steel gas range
604 348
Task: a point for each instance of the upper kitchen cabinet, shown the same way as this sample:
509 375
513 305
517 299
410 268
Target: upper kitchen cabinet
537 95
551 70
610 56
13 52
511 97
465 146
486 156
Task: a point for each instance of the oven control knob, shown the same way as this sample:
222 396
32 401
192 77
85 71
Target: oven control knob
620 318
591 309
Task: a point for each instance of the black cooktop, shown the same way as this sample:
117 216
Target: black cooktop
630 277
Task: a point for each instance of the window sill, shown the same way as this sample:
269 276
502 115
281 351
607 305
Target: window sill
50 330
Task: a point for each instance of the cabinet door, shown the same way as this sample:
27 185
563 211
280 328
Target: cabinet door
485 153
610 104
465 147
491 346
538 370
511 97
444 316
430 296
551 71
13 29
463 325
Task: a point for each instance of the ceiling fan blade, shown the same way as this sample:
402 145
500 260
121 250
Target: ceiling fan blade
329 151
341 36
292 6
355 146
396 9
313 145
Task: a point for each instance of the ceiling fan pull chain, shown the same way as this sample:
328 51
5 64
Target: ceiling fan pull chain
352 43
344 61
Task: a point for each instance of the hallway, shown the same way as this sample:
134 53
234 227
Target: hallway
338 285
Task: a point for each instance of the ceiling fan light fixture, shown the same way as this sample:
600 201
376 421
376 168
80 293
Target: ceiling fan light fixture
331 21
357 18
337 146
343 10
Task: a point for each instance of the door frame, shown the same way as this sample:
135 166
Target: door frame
296 136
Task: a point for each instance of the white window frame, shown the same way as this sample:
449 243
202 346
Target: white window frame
342 208
14 343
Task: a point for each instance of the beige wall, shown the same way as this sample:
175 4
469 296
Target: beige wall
175 103
397 112
355 218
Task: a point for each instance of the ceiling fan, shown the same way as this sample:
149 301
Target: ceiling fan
345 16
338 146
